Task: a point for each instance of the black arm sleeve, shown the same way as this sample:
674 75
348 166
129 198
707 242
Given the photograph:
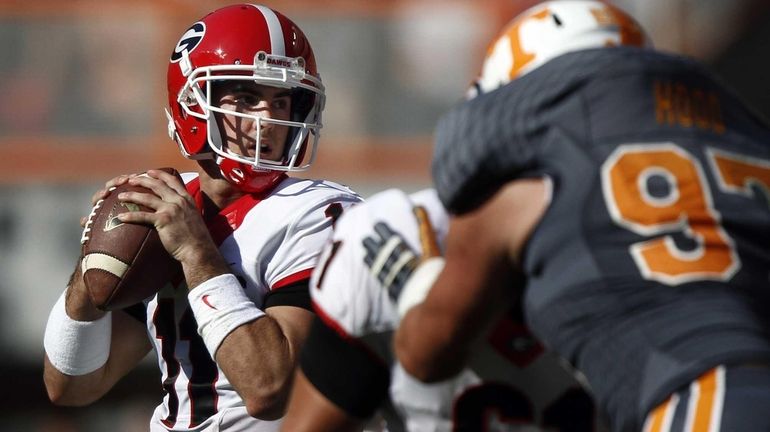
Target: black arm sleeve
296 294
344 372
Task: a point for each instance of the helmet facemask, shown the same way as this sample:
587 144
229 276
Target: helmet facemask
307 95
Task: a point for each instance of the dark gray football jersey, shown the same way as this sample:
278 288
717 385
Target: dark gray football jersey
652 262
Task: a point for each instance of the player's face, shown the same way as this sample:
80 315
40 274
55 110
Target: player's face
240 133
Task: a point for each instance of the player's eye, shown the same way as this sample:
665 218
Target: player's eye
247 100
281 103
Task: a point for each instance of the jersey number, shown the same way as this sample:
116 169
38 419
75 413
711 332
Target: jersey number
659 189
203 375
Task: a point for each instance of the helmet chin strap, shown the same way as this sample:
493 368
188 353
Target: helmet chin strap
214 135
293 148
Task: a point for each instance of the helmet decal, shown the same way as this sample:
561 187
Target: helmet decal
512 47
550 29
189 40
274 26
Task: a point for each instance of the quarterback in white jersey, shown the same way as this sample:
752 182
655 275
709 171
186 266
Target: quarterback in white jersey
349 372
271 245
245 102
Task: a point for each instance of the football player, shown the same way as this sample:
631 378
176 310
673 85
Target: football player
348 372
245 102
629 188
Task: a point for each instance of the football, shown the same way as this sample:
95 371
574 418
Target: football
123 263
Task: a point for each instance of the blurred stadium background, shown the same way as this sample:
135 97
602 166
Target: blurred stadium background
82 91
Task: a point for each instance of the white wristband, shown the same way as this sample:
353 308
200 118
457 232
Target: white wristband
419 284
76 347
220 306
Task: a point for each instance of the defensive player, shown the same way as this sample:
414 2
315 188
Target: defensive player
630 188
348 371
245 101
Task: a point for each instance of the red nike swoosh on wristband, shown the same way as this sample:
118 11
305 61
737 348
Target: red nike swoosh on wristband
205 300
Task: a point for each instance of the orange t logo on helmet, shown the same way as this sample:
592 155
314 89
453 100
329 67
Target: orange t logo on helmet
550 29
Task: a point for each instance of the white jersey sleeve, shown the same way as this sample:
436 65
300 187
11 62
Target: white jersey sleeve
280 238
350 342
343 289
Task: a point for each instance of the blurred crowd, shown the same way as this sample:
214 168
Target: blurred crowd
90 74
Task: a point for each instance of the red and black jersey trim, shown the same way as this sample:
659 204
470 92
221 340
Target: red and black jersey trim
228 219
344 372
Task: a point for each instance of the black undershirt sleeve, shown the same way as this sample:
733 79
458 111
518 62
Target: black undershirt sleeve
296 294
343 371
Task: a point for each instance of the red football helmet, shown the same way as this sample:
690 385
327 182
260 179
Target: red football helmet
252 43
550 29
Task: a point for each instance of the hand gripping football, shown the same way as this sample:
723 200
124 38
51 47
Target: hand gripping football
123 263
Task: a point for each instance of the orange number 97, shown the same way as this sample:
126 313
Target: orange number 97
683 205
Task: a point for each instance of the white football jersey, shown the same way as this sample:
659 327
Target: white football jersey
268 244
511 384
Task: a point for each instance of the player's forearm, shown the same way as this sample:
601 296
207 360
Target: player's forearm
255 351
435 338
205 263
67 390
258 360
72 390
72 321
428 356
80 390
82 363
